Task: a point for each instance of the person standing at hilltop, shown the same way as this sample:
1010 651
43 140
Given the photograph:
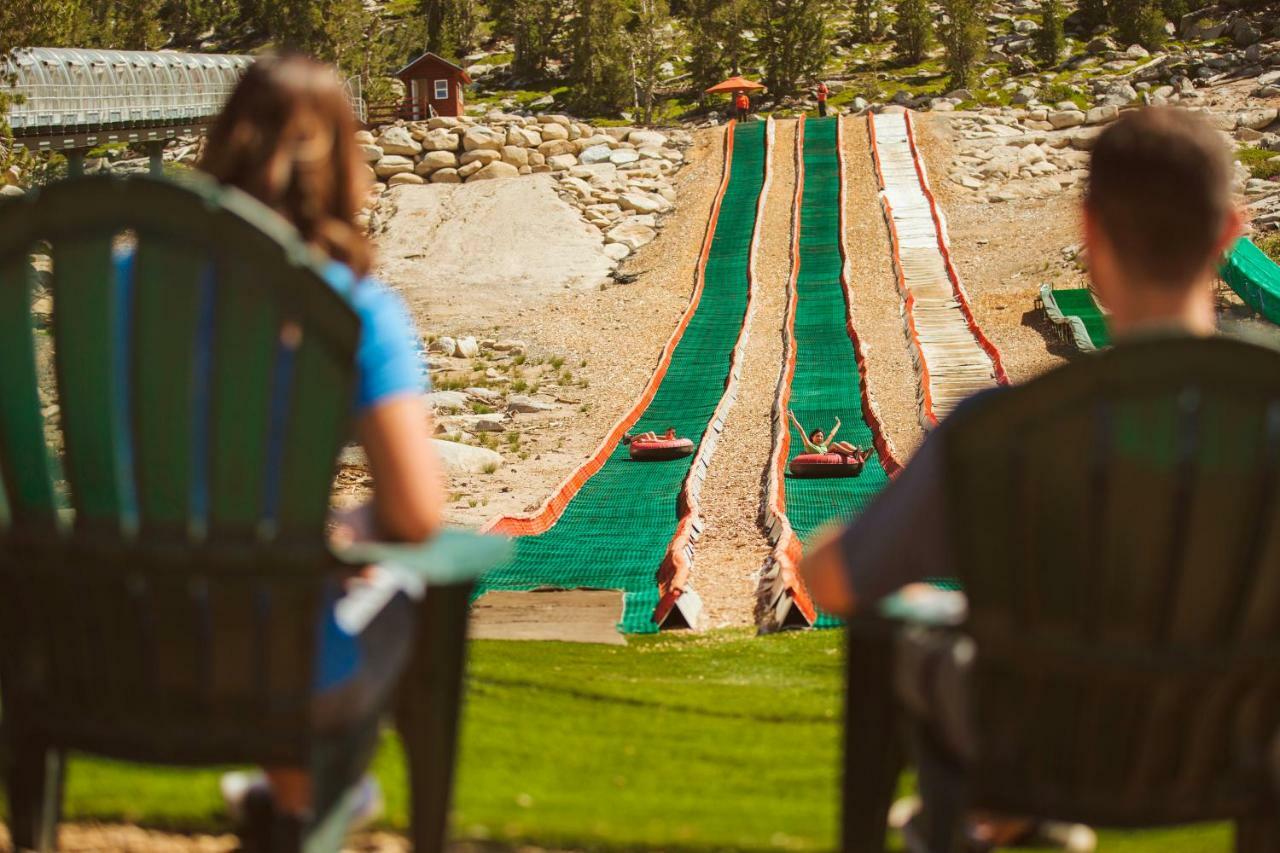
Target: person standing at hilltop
742 105
821 91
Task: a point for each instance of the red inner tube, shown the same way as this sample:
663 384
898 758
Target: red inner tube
663 448
825 465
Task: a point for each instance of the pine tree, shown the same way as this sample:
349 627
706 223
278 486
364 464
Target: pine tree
1138 22
651 42
1049 38
868 20
792 42
1093 14
717 47
913 30
964 36
599 67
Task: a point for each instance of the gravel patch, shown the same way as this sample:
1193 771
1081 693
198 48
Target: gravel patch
608 338
733 546
877 305
1004 253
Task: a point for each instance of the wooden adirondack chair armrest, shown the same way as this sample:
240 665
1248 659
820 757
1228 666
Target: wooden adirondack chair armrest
924 604
450 558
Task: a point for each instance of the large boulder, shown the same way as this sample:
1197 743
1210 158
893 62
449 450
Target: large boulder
446 401
633 235
398 140
645 138
433 160
1259 118
392 164
523 137
495 170
560 162
484 156
443 121
642 202
555 147
515 155
440 140
404 178
481 137
446 176
467 347
553 132
370 153
465 459
1063 119
595 154
622 156
1101 115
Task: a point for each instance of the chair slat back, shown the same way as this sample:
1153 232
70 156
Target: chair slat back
1116 528
205 379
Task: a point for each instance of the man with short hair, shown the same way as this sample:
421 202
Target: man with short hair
1158 216
821 91
742 103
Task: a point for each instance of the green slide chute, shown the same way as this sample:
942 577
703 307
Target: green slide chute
616 531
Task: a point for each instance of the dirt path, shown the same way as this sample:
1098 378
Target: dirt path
733 547
607 339
877 307
1004 253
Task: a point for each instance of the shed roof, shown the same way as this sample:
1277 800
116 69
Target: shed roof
434 57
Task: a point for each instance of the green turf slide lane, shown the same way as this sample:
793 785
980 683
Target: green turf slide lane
823 377
1076 312
1255 277
619 524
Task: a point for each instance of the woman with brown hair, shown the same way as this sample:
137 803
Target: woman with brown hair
287 137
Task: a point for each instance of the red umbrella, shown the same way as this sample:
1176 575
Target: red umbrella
734 84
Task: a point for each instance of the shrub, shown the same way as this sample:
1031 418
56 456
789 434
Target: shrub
1269 243
1049 39
912 30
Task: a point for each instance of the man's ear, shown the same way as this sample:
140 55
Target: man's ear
1232 228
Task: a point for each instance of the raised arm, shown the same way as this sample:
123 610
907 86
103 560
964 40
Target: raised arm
835 429
804 436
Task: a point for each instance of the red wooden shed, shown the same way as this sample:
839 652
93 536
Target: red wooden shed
434 86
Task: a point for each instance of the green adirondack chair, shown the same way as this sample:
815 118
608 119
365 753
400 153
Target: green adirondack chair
1116 524
162 548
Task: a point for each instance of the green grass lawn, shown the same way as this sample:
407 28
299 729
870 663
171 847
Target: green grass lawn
697 742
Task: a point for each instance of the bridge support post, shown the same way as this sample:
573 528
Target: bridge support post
75 163
155 150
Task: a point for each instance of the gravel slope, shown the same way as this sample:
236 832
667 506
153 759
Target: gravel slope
733 547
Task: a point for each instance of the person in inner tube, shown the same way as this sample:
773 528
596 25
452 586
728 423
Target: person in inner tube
817 442
669 435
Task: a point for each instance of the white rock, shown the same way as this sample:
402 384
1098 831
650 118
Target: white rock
623 156
10 191
467 348
510 345
364 137
465 459
437 122
556 148
483 156
528 405
645 138
643 202
554 132
446 401
371 153
494 171
405 178
631 235
561 162
481 137
398 140
434 160
1257 119
1066 118
444 345
492 422
523 137
440 140
595 154
392 164
515 155
1101 115
616 251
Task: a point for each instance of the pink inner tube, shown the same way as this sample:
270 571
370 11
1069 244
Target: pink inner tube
825 465
662 449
